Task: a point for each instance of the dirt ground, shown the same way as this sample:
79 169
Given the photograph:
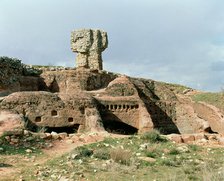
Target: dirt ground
13 164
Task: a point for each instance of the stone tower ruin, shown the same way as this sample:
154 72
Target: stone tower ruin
89 44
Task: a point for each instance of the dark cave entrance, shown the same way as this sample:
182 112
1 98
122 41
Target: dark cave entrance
68 129
118 127
209 130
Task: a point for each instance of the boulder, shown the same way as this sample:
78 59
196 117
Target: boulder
9 122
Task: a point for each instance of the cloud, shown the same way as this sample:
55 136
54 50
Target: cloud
167 40
218 66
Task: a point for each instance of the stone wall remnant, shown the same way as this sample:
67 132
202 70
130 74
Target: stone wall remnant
89 44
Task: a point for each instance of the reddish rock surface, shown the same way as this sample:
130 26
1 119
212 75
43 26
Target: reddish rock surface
90 99
9 121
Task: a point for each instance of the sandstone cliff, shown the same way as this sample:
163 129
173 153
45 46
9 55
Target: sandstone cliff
87 98
96 100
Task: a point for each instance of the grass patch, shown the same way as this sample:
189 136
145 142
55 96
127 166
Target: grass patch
121 156
174 151
151 154
102 154
168 162
194 147
177 88
216 99
46 66
126 159
84 152
153 137
23 143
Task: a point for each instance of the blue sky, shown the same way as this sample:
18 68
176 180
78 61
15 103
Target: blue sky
177 41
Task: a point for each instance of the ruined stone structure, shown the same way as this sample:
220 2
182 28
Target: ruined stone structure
83 99
89 44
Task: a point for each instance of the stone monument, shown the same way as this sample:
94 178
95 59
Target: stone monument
89 44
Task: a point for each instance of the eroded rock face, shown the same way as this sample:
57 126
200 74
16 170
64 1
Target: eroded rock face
90 99
212 115
188 121
45 109
89 44
94 101
11 70
15 76
10 121
70 81
121 86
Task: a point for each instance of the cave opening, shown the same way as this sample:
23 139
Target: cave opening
67 129
209 130
118 127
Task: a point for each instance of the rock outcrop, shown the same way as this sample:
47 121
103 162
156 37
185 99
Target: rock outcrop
212 115
15 76
87 98
10 121
89 44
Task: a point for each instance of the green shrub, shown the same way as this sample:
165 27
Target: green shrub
153 136
85 152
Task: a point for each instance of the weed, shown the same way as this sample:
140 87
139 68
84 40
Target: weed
121 156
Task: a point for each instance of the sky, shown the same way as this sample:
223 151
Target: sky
175 41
